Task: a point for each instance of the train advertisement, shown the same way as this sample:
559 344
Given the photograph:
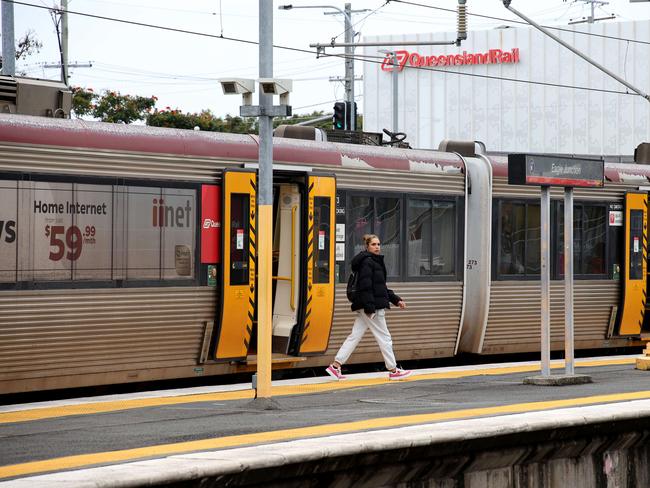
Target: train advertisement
65 231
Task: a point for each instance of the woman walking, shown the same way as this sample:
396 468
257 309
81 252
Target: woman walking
372 299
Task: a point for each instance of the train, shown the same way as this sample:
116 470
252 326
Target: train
128 253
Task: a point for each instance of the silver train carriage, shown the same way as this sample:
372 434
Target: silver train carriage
128 253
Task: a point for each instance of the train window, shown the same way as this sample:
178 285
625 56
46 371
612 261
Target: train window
388 229
239 235
533 242
8 231
360 218
636 236
143 241
518 230
322 235
589 239
381 216
430 233
512 239
431 237
52 230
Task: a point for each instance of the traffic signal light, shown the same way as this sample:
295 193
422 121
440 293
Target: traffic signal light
340 118
348 114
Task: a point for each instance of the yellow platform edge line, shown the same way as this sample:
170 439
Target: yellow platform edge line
127 455
114 406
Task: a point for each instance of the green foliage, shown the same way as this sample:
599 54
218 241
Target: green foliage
111 106
82 101
114 107
205 121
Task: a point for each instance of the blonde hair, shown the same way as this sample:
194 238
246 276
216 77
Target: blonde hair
367 238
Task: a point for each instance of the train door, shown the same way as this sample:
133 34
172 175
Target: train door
315 321
302 265
238 277
635 264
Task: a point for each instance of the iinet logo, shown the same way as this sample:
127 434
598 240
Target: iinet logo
417 60
211 224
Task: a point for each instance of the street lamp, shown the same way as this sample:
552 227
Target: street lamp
349 52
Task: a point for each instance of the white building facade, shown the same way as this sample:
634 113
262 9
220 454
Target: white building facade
466 92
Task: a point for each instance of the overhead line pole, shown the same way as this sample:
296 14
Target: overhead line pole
64 41
8 39
265 205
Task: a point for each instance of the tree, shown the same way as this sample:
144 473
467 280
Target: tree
26 46
111 106
205 121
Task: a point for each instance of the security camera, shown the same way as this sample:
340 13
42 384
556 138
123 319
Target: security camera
243 86
273 86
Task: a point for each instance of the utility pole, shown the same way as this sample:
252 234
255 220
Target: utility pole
349 51
349 67
591 19
64 41
8 39
349 59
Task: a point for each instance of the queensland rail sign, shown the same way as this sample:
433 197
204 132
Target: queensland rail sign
534 169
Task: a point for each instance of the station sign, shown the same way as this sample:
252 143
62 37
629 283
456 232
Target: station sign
538 170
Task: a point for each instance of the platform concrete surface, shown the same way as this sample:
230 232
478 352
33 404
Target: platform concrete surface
203 436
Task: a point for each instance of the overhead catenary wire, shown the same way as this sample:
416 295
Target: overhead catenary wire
512 21
356 57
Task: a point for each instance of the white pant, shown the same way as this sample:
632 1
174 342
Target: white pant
379 329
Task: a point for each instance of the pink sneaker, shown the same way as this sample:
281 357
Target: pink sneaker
335 372
399 374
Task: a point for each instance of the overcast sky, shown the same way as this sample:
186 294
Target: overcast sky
181 68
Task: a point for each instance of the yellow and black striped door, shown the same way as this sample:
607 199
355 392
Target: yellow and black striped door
636 253
319 289
238 293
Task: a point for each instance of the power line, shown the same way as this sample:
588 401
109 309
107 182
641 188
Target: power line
365 59
501 19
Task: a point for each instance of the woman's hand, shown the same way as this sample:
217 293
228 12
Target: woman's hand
401 304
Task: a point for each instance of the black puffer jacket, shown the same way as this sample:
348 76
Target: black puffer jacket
372 292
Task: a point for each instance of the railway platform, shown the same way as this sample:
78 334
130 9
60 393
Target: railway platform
479 423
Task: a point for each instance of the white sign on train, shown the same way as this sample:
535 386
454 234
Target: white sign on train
615 218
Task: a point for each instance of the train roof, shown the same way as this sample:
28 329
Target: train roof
78 133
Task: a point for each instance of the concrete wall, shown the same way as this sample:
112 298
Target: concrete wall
575 459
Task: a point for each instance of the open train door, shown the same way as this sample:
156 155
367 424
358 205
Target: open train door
636 253
238 294
317 293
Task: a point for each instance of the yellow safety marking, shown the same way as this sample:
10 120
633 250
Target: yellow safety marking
319 305
310 264
265 303
635 293
84 460
288 390
238 301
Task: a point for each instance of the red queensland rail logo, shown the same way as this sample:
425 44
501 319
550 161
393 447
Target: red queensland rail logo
417 60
